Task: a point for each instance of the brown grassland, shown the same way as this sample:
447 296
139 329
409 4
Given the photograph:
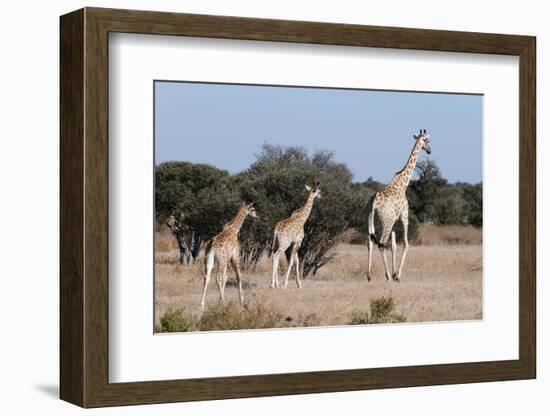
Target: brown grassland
442 281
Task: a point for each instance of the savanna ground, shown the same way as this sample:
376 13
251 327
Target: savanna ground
442 281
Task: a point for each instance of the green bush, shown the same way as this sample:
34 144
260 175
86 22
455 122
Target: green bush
175 320
232 316
235 316
382 311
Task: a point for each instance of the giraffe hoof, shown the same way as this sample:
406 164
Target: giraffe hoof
368 278
396 277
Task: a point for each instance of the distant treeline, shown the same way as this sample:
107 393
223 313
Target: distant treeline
198 199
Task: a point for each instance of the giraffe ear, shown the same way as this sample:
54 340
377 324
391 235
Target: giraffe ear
308 188
415 136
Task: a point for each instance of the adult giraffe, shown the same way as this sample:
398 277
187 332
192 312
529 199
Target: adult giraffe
289 232
391 204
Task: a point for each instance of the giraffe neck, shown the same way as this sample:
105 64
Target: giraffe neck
403 177
303 213
237 221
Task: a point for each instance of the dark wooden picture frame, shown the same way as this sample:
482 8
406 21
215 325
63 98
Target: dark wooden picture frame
84 207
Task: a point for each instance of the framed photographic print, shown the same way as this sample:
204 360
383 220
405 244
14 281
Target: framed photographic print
255 207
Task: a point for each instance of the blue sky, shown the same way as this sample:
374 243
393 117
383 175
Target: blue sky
371 131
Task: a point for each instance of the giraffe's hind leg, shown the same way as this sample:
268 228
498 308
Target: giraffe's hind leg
393 254
370 243
274 275
209 266
369 250
235 262
382 246
296 262
276 256
282 246
298 279
221 278
290 264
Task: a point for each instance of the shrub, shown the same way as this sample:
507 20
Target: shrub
174 320
382 311
234 316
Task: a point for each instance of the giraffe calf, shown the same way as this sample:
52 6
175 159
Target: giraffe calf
225 248
290 232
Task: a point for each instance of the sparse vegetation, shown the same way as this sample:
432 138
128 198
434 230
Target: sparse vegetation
441 282
236 316
176 320
382 311
229 317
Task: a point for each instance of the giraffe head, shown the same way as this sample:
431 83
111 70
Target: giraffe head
315 191
250 210
424 139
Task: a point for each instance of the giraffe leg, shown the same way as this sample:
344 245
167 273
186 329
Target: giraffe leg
369 251
221 278
370 242
290 263
393 254
274 272
235 263
297 261
383 252
275 275
209 267
298 280
383 245
405 223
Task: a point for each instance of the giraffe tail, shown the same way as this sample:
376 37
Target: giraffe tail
375 239
207 251
370 219
273 245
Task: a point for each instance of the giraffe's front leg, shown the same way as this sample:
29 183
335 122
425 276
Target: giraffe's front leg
405 224
235 263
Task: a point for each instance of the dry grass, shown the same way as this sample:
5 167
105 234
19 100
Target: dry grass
164 240
440 283
436 235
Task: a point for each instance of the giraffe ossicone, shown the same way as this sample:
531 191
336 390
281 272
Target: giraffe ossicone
390 205
225 248
290 232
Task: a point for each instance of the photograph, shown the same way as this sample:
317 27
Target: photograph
291 206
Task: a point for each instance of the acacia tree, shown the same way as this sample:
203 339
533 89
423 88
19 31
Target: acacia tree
195 201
